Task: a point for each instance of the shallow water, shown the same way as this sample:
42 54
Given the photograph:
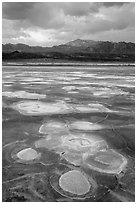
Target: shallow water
95 103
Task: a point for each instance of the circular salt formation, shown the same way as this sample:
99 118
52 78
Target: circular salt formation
91 108
107 92
85 125
74 182
27 154
83 143
52 127
77 143
73 157
10 150
107 161
83 109
35 108
49 142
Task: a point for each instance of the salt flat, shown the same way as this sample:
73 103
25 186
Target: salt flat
76 121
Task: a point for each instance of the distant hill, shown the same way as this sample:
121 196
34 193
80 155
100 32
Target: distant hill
77 50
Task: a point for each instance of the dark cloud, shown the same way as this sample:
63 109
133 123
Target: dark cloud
56 21
45 15
110 4
24 10
80 8
16 10
76 8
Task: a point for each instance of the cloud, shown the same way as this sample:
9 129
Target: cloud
16 10
79 8
58 22
110 4
44 15
112 19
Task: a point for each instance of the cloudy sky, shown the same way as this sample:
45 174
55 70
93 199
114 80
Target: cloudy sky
54 23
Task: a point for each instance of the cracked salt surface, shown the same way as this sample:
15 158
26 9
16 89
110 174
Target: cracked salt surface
107 92
42 108
58 138
23 94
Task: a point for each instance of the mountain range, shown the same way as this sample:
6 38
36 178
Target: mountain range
77 50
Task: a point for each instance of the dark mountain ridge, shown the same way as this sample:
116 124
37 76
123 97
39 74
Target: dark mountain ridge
79 50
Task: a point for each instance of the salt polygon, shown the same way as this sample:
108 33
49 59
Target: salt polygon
35 108
27 154
107 161
85 126
74 182
52 127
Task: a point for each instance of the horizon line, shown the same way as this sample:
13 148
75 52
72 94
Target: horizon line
68 42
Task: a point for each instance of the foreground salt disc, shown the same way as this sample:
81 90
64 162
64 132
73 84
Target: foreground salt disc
27 154
107 161
74 182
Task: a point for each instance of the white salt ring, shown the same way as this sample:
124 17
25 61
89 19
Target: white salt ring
85 125
40 108
52 126
27 154
83 142
91 108
74 182
108 161
76 142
